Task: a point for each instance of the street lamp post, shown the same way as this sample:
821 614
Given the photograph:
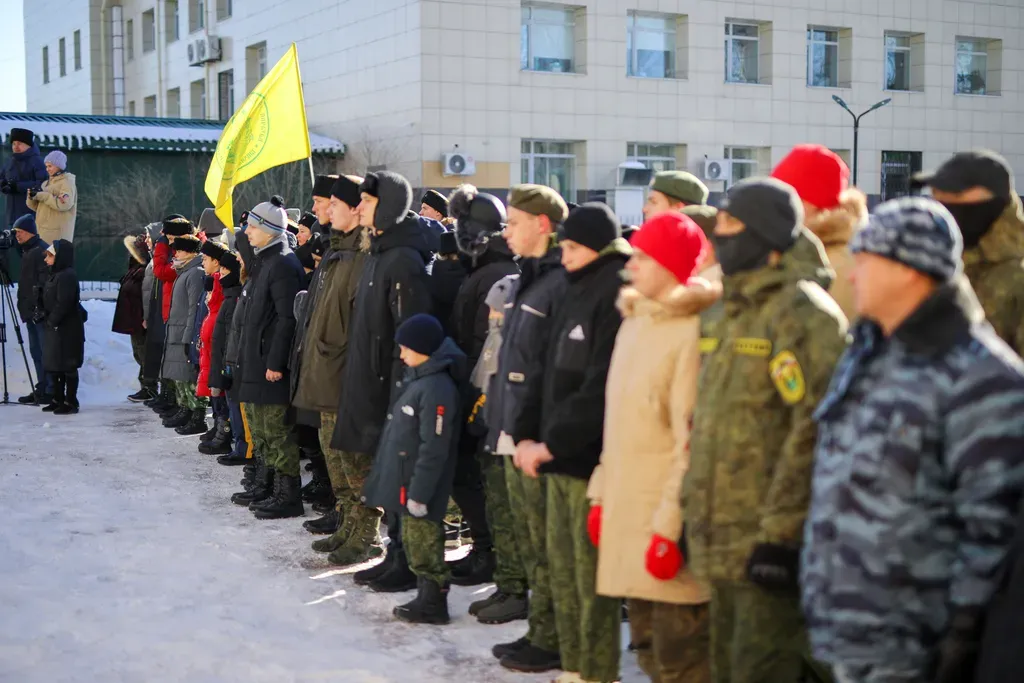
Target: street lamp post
856 125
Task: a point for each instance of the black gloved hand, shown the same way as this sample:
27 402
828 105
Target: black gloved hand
958 650
7 187
32 192
774 567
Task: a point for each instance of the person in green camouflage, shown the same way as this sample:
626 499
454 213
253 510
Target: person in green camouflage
977 187
766 364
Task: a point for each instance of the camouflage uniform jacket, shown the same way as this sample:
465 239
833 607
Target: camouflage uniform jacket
918 474
996 270
766 364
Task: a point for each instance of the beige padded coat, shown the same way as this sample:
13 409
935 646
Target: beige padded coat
56 205
652 385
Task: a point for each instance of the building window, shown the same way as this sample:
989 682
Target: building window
550 163
226 93
548 39
129 40
822 57
174 103
46 64
651 45
897 61
78 50
897 170
62 63
196 15
223 10
171 33
131 107
977 66
743 162
199 99
255 65
655 157
742 48
148 31
149 106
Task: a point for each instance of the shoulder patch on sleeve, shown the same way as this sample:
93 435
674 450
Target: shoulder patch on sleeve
788 377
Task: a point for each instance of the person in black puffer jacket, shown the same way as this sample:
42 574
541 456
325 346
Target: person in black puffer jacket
232 276
33 275
64 339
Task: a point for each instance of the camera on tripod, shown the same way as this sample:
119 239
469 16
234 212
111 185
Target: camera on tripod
6 239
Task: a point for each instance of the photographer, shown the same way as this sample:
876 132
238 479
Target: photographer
56 203
34 272
23 171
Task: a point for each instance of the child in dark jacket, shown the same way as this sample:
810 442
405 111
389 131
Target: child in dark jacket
232 278
415 464
129 315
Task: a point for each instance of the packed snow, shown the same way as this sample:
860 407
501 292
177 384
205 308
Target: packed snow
122 560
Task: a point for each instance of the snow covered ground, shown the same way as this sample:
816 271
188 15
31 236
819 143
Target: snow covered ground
122 560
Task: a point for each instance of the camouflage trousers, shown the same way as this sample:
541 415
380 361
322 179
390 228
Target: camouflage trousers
509 575
757 636
589 625
270 437
139 354
348 471
423 542
527 498
186 395
671 641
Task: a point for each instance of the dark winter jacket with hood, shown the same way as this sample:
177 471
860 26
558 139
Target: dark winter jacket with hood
26 170
232 289
34 274
268 323
1000 653
130 310
393 287
188 290
469 319
417 453
446 278
64 337
584 326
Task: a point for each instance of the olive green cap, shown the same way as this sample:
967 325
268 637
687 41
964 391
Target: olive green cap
539 200
681 186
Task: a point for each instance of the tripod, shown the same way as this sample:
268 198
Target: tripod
7 302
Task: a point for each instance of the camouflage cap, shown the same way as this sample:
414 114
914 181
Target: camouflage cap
682 186
918 232
538 200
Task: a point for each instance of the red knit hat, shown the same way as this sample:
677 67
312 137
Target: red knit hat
818 175
674 241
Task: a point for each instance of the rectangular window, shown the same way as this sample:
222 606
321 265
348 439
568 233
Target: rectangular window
196 15
897 170
655 157
131 108
551 163
822 57
171 31
743 161
78 50
46 64
547 39
149 106
199 99
223 10
742 48
174 103
226 93
897 61
972 66
129 40
650 45
148 31
255 65
62 57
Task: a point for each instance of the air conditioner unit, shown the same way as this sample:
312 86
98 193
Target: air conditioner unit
457 163
203 50
717 169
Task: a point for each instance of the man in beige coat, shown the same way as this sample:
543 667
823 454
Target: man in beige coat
56 203
636 519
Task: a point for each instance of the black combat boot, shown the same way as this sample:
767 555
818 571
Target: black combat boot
474 569
162 400
532 659
501 608
180 417
262 487
327 524
170 409
371 574
502 650
271 494
196 423
397 578
212 431
430 606
220 444
286 502
319 491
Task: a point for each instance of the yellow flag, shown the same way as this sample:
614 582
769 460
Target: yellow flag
268 130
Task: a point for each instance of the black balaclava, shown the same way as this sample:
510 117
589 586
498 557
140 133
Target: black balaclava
976 219
743 251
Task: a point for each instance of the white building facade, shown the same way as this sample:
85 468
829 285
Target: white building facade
563 93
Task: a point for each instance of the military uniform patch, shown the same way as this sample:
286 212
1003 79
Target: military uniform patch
788 377
708 344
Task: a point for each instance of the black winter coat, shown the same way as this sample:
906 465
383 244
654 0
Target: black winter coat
446 278
34 274
156 330
518 386
26 170
393 287
268 325
1004 620
64 337
128 310
218 347
584 328
469 321
417 453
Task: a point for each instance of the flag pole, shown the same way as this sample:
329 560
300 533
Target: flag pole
312 176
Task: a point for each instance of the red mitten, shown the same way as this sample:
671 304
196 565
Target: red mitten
663 558
594 525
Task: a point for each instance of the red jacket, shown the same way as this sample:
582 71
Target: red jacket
164 271
206 336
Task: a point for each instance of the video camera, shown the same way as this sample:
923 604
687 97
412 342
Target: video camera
7 239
